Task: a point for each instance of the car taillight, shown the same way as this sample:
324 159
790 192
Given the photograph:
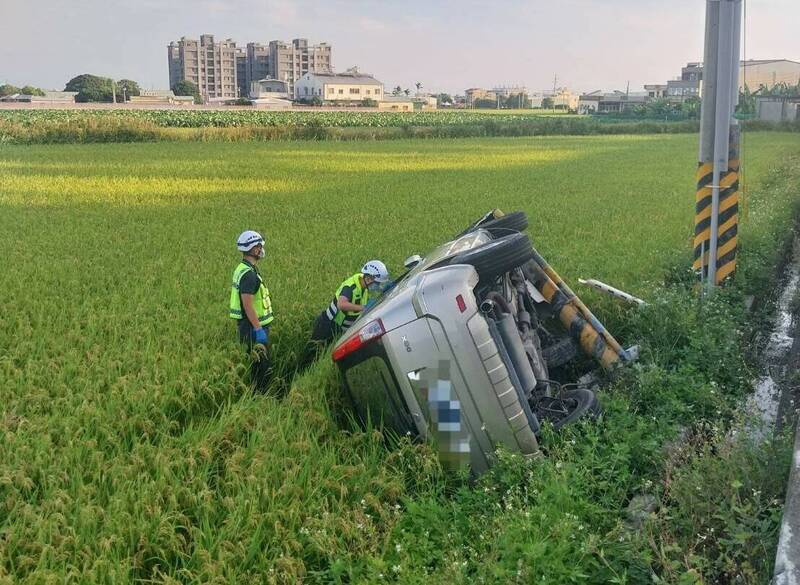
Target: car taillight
367 334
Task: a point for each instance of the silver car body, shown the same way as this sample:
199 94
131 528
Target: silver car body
437 372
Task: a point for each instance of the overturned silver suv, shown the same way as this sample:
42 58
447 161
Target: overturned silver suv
459 352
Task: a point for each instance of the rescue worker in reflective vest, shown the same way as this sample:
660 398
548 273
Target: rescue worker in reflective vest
352 297
251 306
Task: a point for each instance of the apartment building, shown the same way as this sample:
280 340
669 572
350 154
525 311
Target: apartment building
241 72
210 65
257 65
290 61
222 71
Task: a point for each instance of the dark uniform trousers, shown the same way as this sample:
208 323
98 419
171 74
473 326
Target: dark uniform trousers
261 365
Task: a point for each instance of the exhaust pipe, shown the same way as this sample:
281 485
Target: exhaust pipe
496 306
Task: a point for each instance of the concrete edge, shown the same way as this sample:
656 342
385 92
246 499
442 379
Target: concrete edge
787 559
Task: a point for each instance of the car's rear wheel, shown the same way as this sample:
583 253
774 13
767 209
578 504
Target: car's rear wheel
498 256
559 353
568 407
511 223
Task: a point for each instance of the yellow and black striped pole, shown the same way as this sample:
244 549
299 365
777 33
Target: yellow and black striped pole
727 218
716 221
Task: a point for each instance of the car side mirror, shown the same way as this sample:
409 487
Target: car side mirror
412 261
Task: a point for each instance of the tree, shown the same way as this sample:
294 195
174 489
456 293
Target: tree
517 100
484 103
548 103
418 85
691 107
407 91
444 99
92 88
30 90
369 103
780 89
186 87
127 88
7 89
397 90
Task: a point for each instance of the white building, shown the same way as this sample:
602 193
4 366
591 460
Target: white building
350 86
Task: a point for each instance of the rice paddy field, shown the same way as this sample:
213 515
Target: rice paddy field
133 450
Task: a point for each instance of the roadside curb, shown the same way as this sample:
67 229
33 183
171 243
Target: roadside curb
787 560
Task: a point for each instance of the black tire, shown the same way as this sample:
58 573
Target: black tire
578 403
498 256
560 352
514 222
596 409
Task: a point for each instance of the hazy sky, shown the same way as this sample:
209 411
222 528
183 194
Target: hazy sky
447 45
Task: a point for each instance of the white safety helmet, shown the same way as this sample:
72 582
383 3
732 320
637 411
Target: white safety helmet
377 270
247 240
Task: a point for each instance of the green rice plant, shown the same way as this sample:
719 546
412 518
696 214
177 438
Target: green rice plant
132 448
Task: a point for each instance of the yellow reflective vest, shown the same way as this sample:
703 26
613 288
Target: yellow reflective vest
261 301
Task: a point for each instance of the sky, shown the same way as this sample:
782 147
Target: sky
447 45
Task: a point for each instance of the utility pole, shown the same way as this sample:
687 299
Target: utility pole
717 198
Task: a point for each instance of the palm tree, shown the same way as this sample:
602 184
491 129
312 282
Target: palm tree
397 90
419 86
407 91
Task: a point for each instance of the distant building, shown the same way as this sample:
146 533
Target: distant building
242 86
778 109
396 103
160 96
562 99
768 72
222 71
348 87
614 102
49 97
425 102
210 65
656 90
753 73
269 88
270 94
507 91
256 64
290 61
474 94
499 95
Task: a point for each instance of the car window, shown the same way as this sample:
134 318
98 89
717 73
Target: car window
377 397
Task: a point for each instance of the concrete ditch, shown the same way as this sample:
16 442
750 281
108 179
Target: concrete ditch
773 404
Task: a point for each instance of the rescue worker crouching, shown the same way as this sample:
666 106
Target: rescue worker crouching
251 307
352 298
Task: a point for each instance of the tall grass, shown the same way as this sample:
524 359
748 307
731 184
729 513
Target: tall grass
101 129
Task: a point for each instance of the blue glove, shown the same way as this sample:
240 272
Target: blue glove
260 336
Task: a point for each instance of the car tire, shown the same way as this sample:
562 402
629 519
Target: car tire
514 222
498 256
560 352
581 403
